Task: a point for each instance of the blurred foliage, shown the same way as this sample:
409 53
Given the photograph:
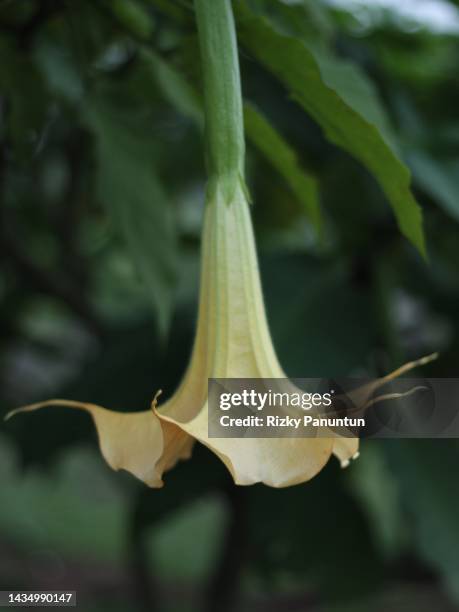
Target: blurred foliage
102 178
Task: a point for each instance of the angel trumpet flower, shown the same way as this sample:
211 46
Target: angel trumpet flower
232 341
232 338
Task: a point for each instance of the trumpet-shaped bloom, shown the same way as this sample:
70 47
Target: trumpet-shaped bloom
232 341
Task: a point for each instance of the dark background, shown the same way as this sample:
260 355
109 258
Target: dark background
79 320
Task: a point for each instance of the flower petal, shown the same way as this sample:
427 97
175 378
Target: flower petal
137 442
277 462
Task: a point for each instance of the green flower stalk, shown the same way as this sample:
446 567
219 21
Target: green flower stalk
232 338
224 123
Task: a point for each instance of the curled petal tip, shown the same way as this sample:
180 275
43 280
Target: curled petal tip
154 401
32 407
347 462
428 358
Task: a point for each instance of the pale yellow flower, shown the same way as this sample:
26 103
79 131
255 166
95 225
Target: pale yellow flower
232 341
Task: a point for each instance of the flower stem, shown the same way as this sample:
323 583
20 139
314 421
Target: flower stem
222 96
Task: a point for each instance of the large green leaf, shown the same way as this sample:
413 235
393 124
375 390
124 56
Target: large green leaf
334 99
140 210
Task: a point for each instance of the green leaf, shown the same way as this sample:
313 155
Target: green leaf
173 10
440 180
173 86
298 17
134 17
337 107
357 91
283 158
128 186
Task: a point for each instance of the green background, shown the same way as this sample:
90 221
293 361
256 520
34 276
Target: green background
102 181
